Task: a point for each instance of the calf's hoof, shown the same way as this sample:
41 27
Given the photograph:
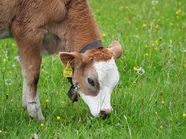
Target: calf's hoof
34 111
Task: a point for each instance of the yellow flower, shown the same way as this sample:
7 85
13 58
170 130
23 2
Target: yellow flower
179 3
161 127
184 115
58 117
127 7
136 36
156 113
147 54
155 48
129 22
99 22
13 44
46 100
156 26
136 28
156 41
144 25
179 11
41 124
185 65
103 34
171 24
146 46
135 68
4 60
162 102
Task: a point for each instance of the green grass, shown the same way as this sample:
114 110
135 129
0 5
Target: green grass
153 37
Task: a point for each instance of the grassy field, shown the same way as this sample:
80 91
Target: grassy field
147 104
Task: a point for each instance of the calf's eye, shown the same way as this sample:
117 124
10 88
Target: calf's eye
91 82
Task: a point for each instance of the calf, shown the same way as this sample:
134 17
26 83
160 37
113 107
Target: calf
66 27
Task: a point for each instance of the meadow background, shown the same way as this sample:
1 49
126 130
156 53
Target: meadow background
146 105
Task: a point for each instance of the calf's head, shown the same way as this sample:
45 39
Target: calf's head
95 75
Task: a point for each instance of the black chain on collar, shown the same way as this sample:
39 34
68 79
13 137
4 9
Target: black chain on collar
72 93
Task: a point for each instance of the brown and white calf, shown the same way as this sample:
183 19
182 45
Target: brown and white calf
66 27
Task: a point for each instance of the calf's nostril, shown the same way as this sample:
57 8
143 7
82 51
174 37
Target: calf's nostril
103 114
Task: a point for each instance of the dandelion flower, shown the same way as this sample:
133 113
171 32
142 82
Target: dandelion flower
161 127
46 100
154 2
184 115
146 54
146 46
58 117
171 24
144 25
140 70
4 60
8 82
103 34
135 68
183 50
41 124
13 44
162 102
127 7
185 65
156 113
155 48
34 136
136 36
156 26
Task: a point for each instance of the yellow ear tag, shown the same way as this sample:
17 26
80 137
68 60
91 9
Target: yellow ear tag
67 71
109 49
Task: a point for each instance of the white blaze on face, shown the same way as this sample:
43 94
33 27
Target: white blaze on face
108 78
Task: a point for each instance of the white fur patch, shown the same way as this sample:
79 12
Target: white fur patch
108 78
31 103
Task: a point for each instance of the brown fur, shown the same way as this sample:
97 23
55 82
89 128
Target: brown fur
46 26
53 26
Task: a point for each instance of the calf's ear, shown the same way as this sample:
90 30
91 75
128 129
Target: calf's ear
75 58
116 49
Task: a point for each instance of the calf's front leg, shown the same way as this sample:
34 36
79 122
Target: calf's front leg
30 60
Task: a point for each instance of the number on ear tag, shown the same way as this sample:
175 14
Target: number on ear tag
68 70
